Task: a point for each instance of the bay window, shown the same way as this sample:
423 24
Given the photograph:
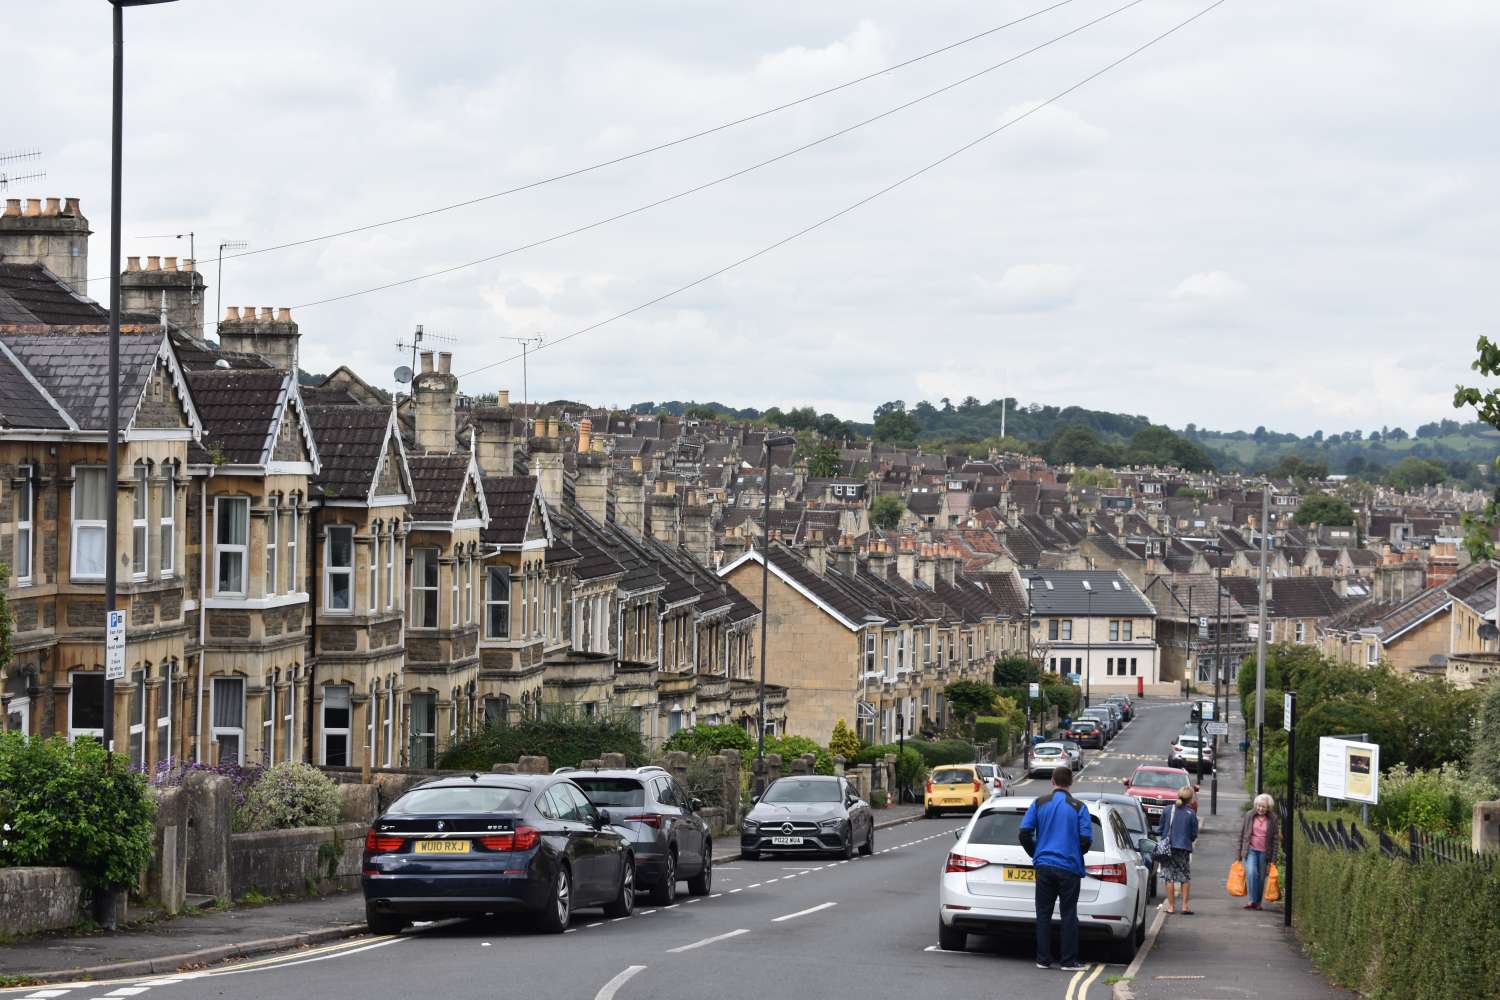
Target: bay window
338 563
91 498
453 573
268 719
228 696
289 717
497 603
86 705
374 573
337 708
389 720
231 532
164 714
273 533
390 569
138 525
423 727
291 545
168 520
25 506
137 743
424 588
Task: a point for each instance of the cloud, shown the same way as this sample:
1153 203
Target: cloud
1033 288
1209 288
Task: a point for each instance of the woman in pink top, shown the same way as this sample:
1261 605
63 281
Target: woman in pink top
1260 835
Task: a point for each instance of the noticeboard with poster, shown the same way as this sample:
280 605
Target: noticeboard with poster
1348 769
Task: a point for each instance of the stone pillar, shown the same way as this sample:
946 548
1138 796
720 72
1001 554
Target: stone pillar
732 767
209 806
533 765
838 764
800 765
773 767
677 765
504 769
166 875
1486 828
612 760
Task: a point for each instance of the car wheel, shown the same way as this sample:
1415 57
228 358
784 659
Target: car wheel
382 923
750 855
868 847
1151 886
557 910
847 851
702 883
1122 950
624 902
664 893
951 938
930 812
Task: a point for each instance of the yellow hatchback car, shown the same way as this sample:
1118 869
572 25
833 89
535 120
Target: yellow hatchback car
954 786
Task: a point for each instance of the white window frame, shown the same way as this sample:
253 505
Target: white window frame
268 720
167 521
80 525
390 571
289 718
74 733
374 572
370 712
25 514
427 555
469 564
222 549
330 570
273 541
489 600
1301 632
21 709
1127 630
136 718
216 730
453 572
536 604
1372 654
140 523
164 712
388 707
291 546
344 730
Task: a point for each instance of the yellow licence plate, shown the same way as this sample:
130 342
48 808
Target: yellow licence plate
442 847
1013 874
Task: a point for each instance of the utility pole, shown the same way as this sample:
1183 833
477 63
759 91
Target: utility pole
1260 644
526 344
1213 797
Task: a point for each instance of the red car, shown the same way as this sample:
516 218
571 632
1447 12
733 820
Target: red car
1157 787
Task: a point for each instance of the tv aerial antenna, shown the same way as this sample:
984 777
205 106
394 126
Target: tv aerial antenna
418 338
6 159
219 280
192 239
527 344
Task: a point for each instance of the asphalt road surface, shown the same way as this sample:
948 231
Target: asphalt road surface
785 927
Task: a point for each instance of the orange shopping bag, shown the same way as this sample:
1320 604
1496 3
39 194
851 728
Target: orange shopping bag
1273 884
1236 884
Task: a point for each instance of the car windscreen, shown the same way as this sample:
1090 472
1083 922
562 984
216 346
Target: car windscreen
795 790
459 799
952 776
1046 750
609 792
1159 779
1002 827
985 770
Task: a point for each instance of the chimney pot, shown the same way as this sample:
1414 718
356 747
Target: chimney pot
247 312
153 263
13 206
585 432
445 362
231 313
284 315
169 263
426 362
70 207
504 399
265 312
132 263
188 264
33 206
52 207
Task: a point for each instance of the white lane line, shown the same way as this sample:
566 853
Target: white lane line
571 930
709 940
308 961
644 913
609 989
716 895
753 885
690 902
46 994
672 907
616 920
803 913
733 891
592 926
485 944
127 991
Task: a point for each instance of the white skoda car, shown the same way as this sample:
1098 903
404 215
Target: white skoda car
989 882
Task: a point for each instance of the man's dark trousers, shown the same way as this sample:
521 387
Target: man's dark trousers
1054 885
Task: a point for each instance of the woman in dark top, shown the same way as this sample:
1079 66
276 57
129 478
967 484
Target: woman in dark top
1179 828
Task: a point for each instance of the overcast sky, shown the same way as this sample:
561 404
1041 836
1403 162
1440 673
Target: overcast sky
1285 214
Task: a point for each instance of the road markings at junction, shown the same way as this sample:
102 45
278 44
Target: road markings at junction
1078 986
803 913
609 989
708 941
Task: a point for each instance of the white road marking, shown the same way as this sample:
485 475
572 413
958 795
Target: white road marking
803 913
709 940
672 907
128 991
484 944
571 930
965 954
592 926
753 885
616 920
609 989
716 895
44 994
770 880
644 913
733 891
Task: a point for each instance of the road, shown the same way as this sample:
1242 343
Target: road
782 927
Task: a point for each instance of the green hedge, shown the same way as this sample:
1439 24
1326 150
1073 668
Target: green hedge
992 727
938 752
911 769
563 741
704 740
1391 929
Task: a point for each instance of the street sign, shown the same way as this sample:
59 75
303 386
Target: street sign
1036 690
1206 710
1216 728
114 647
1254 630
1286 711
1348 769
1203 627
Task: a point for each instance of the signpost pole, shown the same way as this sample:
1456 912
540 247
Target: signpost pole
1289 836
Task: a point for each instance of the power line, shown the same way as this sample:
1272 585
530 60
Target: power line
578 171
726 177
867 198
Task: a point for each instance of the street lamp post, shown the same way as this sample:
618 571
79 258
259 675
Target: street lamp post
765 611
1213 800
1031 582
1088 650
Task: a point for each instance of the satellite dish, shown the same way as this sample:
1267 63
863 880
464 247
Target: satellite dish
403 374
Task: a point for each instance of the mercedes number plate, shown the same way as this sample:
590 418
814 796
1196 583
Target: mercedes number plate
442 847
786 841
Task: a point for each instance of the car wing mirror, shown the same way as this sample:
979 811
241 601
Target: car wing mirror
601 819
697 804
958 833
1146 846
754 799
1126 782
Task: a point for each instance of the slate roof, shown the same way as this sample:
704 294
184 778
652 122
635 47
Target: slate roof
238 410
22 404
841 599
1113 593
1291 597
74 369
509 499
438 480
350 441
29 294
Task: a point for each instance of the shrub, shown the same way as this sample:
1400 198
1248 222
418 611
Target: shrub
563 741
843 742
795 746
1485 757
1439 801
911 769
938 752
992 727
705 783
289 796
704 740
62 805
878 799
242 776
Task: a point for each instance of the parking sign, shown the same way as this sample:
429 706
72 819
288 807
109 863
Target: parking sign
114 647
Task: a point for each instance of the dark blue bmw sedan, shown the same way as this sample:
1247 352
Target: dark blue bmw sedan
494 843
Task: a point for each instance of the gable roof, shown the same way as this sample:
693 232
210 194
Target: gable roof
440 482
23 401
243 411
511 500
833 600
352 442
73 369
1108 592
31 295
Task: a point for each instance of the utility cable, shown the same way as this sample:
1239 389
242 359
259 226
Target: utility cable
867 198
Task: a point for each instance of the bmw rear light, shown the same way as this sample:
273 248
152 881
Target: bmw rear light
1104 873
653 820
376 844
523 839
963 863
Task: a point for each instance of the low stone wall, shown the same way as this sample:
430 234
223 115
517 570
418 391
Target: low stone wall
293 862
39 899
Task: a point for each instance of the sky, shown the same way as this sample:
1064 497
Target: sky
1283 214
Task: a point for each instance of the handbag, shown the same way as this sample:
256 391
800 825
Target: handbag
1164 838
1273 884
1236 884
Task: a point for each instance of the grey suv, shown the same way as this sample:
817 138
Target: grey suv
670 840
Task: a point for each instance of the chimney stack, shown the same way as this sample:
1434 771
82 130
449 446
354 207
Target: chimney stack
844 557
504 399
435 402
817 552
591 487
495 443
630 504
546 465
697 530
927 566
426 362
906 558
585 433
665 522
445 362
160 283
269 335
57 240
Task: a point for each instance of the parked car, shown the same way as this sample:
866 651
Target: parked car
994 778
1157 787
988 884
953 786
1116 717
1087 733
1126 705
494 843
1046 758
1185 749
808 813
1136 822
1075 753
1117 711
1105 718
669 840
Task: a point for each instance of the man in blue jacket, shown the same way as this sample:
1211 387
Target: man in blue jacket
1057 832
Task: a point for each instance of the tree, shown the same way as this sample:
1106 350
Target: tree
1077 444
1098 477
1297 467
1412 474
1011 671
1160 446
893 423
825 461
886 511
843 742
971 698
1484 757
1324 508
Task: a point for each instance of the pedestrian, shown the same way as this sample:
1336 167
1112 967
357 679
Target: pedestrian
1179 828
1260 835
1057 832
